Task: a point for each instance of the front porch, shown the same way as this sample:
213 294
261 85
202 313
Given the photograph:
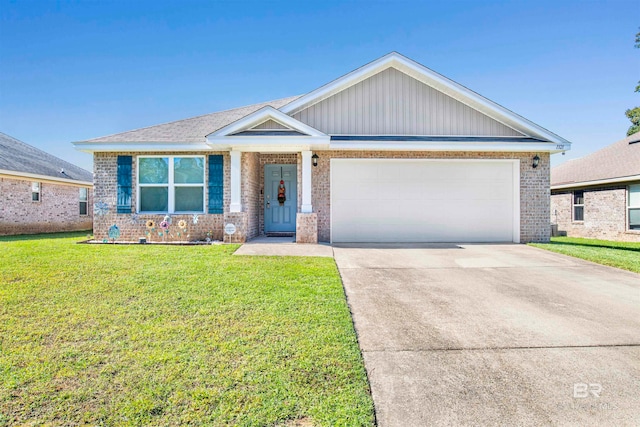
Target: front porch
283 246
254 209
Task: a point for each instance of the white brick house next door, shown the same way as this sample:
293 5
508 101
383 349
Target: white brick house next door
425 200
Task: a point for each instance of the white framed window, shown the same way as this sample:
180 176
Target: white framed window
578 206
633 206
35 191
170 184
84 201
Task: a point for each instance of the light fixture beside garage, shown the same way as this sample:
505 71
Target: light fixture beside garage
536 161
314 159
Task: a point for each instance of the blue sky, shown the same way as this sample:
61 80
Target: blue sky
77 70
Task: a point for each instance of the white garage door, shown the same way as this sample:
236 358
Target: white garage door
389 200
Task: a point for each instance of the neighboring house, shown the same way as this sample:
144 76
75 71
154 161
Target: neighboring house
40 193
391 152
598 196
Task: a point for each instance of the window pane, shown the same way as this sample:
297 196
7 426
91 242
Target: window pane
578 213
634 195
189 199
83 194
578 198
35 197
35 186
83 208
188 170
154 199
153 170
634 219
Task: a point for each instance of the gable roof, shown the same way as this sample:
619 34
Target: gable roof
237 135
206 132
194 129
619 161
264 114
434 80
19 158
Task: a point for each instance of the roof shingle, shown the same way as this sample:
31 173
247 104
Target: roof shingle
617 160
194 129
17 156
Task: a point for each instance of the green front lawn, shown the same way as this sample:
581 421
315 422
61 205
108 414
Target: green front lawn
166 335
625 255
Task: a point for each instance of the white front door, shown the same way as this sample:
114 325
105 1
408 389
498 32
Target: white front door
411 200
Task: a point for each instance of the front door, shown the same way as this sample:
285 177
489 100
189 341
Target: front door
280 216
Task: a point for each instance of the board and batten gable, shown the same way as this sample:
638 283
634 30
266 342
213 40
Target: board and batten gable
394 103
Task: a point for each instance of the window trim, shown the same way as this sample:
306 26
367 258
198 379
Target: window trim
85 201
171 185
629 207
38 192
574 205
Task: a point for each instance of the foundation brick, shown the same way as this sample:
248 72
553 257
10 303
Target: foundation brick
534 194
534 186
105 190
605 214
307 228
58 209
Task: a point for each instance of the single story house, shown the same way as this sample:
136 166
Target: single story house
40 193
598 196
390 152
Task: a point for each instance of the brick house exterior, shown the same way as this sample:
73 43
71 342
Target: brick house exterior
392 116
58 205
604 183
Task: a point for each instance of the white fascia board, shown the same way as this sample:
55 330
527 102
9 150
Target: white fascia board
539 147
435 80
596 182
90 147
262 115
46 178
268 143
270 148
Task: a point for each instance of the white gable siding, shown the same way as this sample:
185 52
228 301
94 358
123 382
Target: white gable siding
393 103
270 124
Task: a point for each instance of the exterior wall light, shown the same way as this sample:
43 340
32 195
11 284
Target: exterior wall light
536 161
314 159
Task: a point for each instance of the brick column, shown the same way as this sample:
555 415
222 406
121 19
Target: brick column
307 228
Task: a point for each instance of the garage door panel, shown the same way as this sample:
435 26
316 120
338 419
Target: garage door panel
392 200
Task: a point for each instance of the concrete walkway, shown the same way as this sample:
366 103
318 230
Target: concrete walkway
494 335
282 246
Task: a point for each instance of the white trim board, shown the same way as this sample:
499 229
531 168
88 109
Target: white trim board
596 182
26 176
102 147
260 116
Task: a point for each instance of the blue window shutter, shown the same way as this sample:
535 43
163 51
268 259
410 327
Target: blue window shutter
216 184
124 184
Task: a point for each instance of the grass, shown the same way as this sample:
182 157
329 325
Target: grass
125 335
625 255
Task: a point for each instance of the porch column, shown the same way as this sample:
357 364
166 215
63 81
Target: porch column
306 183
236 204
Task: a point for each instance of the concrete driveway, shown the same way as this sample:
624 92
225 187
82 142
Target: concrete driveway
494 334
